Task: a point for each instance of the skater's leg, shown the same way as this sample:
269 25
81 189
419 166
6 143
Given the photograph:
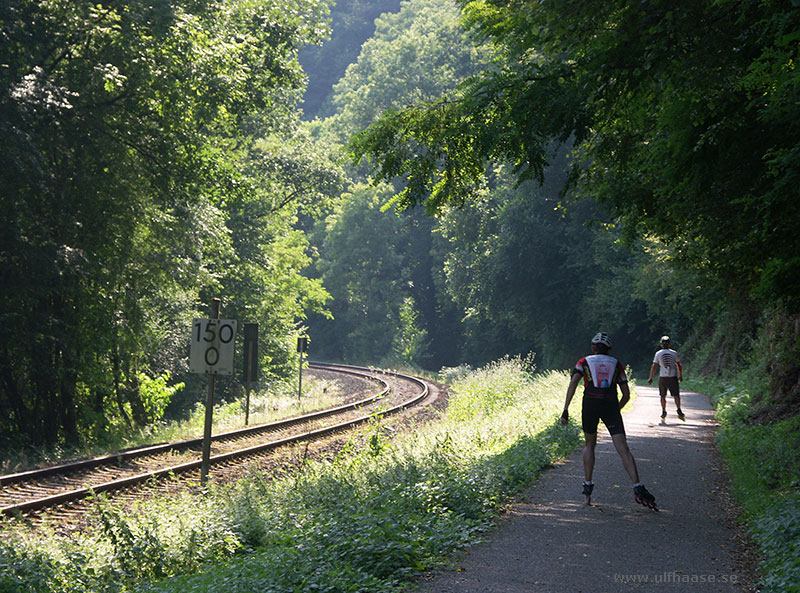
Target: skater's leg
675 390
662 392
628 462
588 455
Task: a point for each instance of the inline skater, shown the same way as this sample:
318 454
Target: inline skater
670 375
601 373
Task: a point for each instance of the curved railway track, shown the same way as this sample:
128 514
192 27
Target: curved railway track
33 491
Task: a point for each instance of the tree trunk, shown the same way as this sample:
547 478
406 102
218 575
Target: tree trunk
135 399
68 411
118 387
20 412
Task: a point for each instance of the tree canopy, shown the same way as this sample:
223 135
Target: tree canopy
154 157
509 272
682 117
138 180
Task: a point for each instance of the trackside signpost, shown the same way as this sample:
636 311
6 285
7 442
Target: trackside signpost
211 353
250 364
302 346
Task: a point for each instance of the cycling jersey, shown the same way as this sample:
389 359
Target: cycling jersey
601 373
667 359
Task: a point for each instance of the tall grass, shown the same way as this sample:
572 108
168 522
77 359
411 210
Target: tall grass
383 510
764 464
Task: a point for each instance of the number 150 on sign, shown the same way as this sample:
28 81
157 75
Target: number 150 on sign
212 348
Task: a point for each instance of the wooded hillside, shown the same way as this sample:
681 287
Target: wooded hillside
535 171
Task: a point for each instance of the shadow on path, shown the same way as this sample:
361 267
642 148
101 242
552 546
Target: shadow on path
553 542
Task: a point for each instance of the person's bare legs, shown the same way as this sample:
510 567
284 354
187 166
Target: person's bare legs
628 462
588 455
676 394
675 390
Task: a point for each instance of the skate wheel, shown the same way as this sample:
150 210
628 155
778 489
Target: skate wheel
652 506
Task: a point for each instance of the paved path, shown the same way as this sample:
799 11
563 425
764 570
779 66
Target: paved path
553 542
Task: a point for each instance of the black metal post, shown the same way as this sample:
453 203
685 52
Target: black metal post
215 304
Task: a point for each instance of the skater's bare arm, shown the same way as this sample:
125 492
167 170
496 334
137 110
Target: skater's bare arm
573 385
680 371
653 372
626 394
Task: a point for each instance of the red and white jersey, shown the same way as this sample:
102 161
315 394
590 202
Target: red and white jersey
601 374
667 359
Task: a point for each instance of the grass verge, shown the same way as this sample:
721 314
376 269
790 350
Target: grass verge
764 465
384 510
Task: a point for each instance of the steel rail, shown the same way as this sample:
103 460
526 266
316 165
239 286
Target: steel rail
139 452
128 482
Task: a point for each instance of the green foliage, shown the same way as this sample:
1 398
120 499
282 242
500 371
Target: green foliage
767 462
276 401
518 261
131 156
409 344
519 264
777 351
361 263
490 389
777 533
764 464
156 394
370 520
25 570
677 113
352 23
156 544
414 55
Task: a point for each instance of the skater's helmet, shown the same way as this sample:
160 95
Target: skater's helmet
665 341
602 338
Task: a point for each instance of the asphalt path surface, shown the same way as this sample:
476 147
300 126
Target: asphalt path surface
553 542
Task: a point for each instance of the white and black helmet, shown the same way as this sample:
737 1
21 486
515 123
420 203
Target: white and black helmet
602 338
665 340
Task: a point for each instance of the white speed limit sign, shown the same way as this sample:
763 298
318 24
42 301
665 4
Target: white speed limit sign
212 346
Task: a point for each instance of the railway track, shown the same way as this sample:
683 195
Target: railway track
31 492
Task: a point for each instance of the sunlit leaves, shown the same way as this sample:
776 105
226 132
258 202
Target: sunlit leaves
124 123
680 114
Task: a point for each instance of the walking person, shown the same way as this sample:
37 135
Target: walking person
670 375
601 374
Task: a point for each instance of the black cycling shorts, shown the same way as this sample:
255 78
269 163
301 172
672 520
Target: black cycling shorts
668 384
595 409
